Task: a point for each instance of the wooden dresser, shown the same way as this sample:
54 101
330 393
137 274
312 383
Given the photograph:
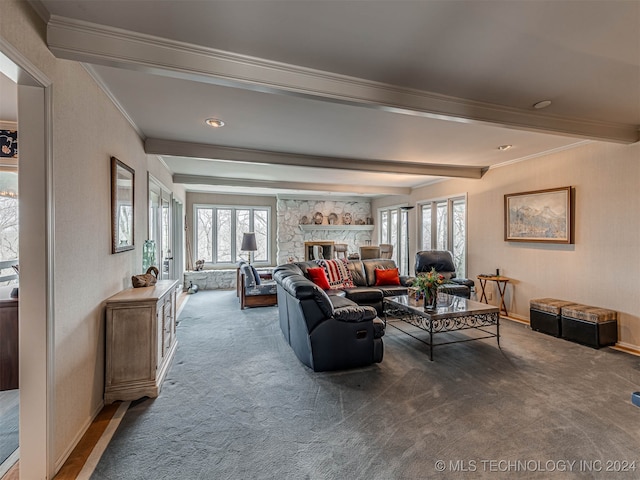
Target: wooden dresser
140 340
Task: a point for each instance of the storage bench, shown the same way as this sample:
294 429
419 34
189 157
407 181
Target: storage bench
545 313
592 326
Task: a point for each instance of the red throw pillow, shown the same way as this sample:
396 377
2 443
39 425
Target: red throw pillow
387 276
319 277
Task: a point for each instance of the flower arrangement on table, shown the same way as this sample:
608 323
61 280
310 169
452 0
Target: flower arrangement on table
428 283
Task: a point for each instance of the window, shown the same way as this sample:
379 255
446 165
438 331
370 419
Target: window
219 230
393 230
444 227
8 226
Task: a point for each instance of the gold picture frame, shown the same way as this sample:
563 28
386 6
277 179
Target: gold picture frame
543 216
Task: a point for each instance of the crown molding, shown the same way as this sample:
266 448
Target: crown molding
174 148
93 43
277 185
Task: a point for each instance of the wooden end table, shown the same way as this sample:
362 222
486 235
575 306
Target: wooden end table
501 282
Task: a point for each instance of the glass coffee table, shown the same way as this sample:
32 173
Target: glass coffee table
452 314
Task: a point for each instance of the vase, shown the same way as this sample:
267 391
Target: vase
431 299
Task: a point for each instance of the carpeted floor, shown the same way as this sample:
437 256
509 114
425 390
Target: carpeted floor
237 404
9 413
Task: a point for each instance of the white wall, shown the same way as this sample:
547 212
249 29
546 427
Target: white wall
601 268
87 131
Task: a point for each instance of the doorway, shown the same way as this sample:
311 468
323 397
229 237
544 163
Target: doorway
36 243
9 351
162 228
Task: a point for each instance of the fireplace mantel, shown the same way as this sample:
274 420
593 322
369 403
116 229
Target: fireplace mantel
311 228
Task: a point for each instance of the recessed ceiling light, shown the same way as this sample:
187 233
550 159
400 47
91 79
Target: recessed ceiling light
214 122
542 104
504 147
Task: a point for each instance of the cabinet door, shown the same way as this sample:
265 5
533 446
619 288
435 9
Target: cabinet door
129 338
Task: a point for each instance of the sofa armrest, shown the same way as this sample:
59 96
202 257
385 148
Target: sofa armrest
406 280
355 313
463 281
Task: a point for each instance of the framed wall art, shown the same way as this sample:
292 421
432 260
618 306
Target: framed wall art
122 211
539 216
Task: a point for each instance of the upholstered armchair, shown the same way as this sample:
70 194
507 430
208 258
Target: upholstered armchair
253 290
442 262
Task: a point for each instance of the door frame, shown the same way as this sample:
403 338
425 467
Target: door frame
36 243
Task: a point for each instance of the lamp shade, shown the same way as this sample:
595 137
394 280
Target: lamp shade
249 242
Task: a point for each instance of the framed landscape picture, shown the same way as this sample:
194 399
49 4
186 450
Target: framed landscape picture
538 216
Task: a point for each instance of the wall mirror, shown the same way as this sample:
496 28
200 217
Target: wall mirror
122 182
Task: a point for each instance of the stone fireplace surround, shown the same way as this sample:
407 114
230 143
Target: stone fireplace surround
290 236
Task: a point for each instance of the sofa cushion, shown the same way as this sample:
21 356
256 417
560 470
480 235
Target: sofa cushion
387 276
337 273
364 295
357 273
393 290
318 276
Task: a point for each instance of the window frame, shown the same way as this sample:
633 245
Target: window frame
433 205
402 216
235 247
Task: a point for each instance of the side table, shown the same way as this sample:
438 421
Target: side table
501 282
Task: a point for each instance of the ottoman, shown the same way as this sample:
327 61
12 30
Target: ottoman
592 326
544 315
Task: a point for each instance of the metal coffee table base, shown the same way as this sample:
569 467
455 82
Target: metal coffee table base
457 314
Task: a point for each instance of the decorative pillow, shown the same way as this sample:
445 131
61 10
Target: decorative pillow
255 274
319 277
338 273
388 276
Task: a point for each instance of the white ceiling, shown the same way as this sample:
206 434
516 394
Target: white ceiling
380 85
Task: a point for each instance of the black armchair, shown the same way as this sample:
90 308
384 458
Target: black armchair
442 261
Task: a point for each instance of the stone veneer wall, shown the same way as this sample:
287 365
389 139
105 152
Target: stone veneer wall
290 238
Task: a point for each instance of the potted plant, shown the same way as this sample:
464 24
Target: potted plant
428 284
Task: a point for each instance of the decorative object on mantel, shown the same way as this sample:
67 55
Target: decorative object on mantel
146 279
428 283
317 218
304 220
333 219
359 222
369 221
346 218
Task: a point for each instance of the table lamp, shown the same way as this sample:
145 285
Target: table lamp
249 243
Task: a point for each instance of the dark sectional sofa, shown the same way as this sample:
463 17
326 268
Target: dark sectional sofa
334 329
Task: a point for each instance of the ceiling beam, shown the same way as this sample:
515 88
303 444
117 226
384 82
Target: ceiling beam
155 146
92 43
277 185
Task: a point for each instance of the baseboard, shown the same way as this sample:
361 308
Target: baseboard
627 348
96 453
516 318
65 455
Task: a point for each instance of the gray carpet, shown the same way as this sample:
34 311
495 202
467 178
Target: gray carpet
237 404
9 424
